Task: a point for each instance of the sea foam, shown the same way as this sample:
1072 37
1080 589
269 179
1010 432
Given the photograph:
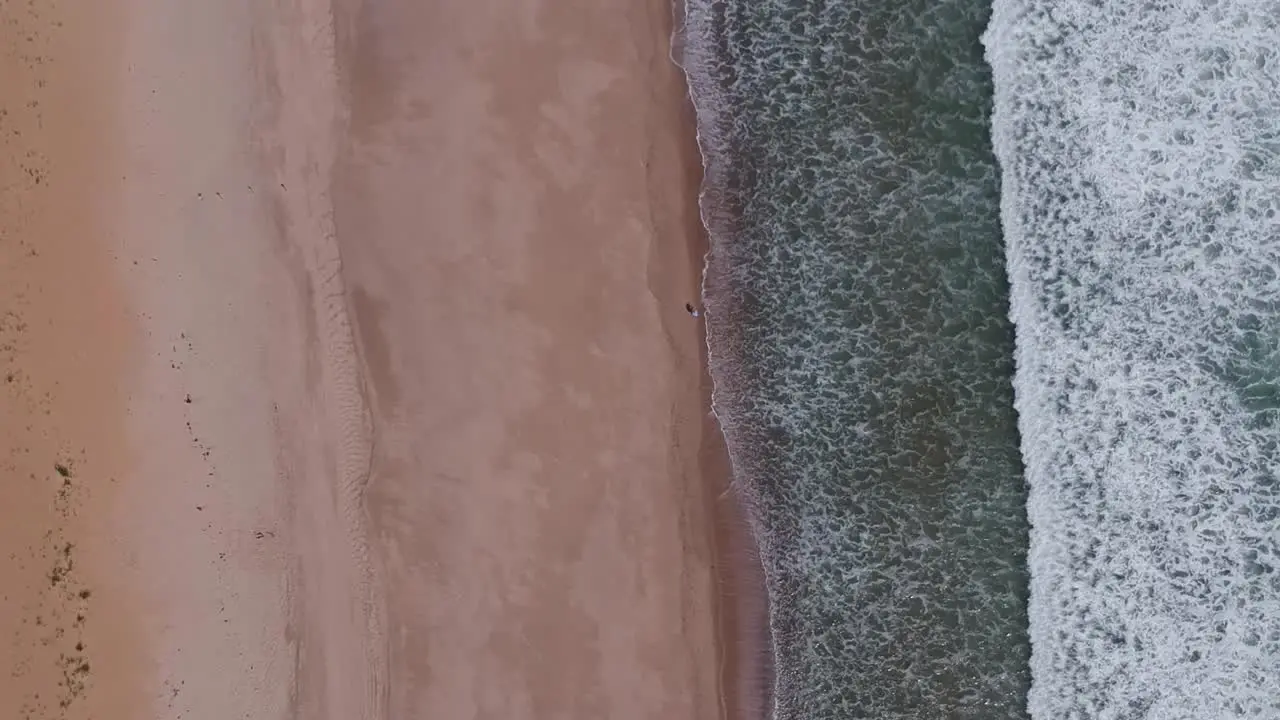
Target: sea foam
1140 151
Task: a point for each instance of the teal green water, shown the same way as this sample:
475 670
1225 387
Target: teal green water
861 348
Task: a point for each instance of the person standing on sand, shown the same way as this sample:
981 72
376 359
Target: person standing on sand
692 311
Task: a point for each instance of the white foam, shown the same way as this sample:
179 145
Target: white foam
1140 149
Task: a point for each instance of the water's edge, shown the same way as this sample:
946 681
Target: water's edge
740 513
891 526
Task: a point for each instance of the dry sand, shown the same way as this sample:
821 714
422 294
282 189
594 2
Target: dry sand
347 373
64 631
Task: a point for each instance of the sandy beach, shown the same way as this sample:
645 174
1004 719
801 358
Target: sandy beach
65 336
347 372
515 206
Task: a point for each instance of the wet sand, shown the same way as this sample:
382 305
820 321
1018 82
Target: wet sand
347 368
515 206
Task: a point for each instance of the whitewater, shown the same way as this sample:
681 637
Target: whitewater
1139 144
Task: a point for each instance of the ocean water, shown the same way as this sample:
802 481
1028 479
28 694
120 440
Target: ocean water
861 348
1140 147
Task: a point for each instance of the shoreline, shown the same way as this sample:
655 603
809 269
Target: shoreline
746 659
742 612
742 620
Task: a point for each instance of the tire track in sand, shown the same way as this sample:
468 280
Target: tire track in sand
336 605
